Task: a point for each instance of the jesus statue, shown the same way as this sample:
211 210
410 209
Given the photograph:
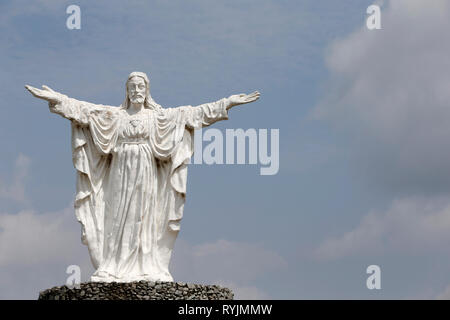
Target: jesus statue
131 164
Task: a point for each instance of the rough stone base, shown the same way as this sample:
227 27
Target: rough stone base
142 290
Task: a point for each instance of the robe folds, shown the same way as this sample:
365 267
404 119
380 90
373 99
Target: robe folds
131 182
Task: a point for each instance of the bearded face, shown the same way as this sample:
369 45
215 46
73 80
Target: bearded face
136 90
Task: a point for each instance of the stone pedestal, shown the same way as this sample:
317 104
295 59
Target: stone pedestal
142 290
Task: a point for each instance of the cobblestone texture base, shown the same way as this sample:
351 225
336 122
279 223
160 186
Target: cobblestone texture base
142 290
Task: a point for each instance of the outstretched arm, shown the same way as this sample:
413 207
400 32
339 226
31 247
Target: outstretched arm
208 113
72 109
238 99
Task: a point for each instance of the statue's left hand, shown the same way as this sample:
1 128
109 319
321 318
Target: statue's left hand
46 93
243 98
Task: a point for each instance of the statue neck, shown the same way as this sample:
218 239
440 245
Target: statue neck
134 108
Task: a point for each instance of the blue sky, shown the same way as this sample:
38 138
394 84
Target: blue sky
364 177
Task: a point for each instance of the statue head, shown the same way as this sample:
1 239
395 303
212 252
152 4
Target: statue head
138 91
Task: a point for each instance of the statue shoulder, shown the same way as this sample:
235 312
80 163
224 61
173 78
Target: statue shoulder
108 112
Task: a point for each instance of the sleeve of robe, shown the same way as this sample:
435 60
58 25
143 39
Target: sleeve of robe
173 145
94 133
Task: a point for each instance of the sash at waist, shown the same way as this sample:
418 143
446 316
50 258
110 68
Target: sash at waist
121 144
134 142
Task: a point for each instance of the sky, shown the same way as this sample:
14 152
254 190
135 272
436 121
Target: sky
363 118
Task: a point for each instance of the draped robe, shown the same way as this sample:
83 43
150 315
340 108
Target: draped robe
131 182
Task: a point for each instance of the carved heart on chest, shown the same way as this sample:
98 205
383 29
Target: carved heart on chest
135 122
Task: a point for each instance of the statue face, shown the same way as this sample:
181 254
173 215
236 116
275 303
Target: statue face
136 90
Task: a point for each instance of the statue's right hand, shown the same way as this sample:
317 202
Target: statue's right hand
46 94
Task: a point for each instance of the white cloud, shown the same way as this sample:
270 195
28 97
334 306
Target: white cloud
16 190
390 89
29 238
234 264
242 292
412 226
36 249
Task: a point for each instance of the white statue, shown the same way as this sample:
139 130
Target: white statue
131 164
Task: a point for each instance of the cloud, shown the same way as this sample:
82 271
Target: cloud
389 91
411 226
30 238
16 190
235 264
35 251
245 292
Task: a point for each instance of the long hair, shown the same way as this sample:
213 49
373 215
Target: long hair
148 102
